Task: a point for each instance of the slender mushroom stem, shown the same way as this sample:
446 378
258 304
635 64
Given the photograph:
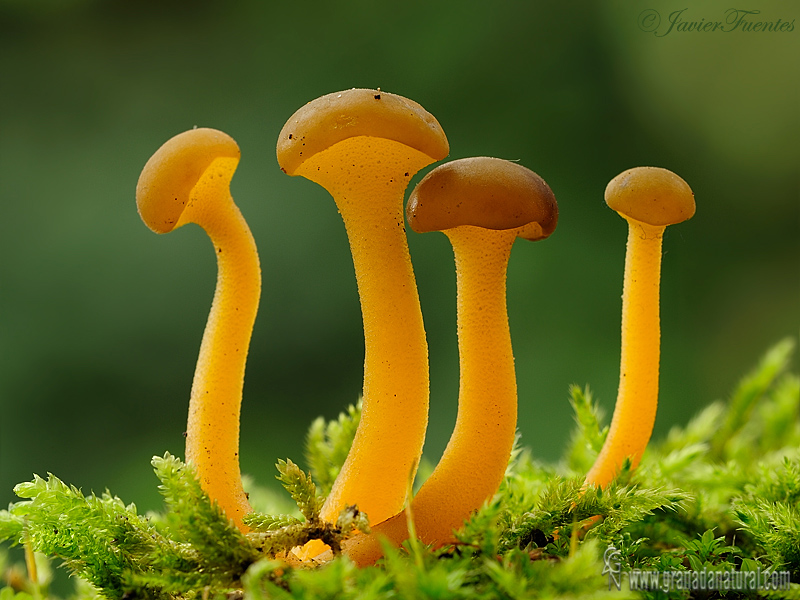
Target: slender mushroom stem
637 399
363 146
487 407
463 198
394 413
649 199
187 181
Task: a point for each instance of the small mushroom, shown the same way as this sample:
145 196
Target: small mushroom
482 205
649 198
187 181
363 146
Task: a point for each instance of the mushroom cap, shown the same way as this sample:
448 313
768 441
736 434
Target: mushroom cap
167 179
358 112
651 195
484 192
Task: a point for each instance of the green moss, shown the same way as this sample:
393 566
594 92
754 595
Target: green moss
720 494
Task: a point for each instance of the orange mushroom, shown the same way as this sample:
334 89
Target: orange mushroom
482 205
363 146
649 198
187 181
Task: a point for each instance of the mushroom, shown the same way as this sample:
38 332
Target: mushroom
363 146
187 181
482 205
649 198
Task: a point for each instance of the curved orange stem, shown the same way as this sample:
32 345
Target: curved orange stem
475 460
367 177
212 440
637 398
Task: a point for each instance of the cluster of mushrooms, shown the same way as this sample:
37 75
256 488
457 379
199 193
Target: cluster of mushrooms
364 146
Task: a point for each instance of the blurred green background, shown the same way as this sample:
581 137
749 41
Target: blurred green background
101 319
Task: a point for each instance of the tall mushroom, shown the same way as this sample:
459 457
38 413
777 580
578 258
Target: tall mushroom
363 146
187 181
482 205
649 199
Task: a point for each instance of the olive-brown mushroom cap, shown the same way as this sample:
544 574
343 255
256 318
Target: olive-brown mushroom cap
358 112
484 192
167 179
651 195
